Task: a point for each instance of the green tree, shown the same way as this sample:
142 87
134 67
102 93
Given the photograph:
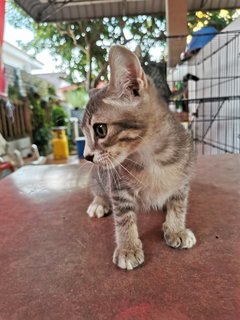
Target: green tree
218 19
58 116
77 98
83 45
40 129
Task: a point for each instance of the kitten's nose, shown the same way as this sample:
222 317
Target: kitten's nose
89 157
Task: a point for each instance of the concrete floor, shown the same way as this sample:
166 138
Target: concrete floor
56 263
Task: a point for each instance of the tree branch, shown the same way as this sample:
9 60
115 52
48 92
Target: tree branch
69 32
73 37
82 30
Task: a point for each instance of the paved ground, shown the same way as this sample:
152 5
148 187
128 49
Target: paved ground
56 262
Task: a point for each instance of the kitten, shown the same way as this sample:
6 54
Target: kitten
142 157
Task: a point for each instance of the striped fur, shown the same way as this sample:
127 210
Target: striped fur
145 160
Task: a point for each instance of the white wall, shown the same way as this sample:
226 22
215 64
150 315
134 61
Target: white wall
218 67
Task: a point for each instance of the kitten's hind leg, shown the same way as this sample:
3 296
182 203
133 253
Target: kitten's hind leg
175 232
99 207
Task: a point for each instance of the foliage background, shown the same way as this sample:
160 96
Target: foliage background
81 47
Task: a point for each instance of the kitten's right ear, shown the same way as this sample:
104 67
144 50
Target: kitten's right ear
126 72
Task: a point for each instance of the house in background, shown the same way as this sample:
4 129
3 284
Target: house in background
18 67
14 57
57 79
24 79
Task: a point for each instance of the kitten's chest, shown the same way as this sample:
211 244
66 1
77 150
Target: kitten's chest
158 185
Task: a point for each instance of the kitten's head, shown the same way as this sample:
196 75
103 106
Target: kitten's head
116 119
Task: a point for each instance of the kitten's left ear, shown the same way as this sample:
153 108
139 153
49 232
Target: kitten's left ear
92 92
126 73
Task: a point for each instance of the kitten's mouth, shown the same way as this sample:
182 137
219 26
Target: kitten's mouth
107 161
102 160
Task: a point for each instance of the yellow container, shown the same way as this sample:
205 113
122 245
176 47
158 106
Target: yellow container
60 143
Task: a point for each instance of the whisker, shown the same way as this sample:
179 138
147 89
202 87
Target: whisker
85 163
137 163
114 167
92 166
79 169
118 174
108 175
116 181
129 172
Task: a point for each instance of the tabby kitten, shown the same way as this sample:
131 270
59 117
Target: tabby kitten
142 157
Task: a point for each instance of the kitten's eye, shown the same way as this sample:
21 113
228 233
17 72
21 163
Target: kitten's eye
100 130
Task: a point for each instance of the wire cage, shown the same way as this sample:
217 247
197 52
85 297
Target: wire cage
210 82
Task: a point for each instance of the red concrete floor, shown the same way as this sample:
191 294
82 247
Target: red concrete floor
56 263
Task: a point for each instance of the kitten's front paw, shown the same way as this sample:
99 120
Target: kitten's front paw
97 210
128 258
184 239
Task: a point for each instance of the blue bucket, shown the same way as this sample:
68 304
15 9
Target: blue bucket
80 143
